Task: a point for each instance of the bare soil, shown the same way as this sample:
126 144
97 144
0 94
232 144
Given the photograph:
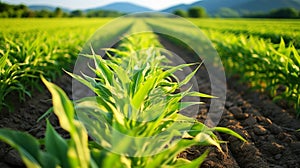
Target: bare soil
268 128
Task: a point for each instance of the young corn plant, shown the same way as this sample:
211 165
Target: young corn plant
29 49
58 152
134 118
135 105
266 66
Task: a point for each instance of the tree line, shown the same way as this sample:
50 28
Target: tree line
22 11
200 12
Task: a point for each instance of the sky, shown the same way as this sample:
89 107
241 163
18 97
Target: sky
84 4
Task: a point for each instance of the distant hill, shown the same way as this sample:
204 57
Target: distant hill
123 7
213 6
266 5
46 7
176 7
120 7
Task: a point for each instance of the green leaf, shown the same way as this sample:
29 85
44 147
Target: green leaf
174 69
48 112
183 163
48 160
56 145
62 106
143 92
25 144
3 61
121 73
104 69
189 77
230 132
78 152
184 105
205 139
198 94
197 128
296 56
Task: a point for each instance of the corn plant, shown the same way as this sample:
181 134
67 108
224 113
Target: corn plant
34 47
286 29
135 97
134 118
58 151
78 152
266 66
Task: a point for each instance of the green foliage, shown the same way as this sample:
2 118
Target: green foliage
180 13
58 151
135 97
22 11
58 12
25 53
289 30
77 13
284 13
227 13
102 13
273 68
197 12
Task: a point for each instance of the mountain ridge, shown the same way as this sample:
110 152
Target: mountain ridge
47 7
211 6
123 7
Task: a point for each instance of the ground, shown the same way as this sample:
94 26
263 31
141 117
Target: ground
268 127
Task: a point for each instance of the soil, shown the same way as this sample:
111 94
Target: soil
25 118
268 128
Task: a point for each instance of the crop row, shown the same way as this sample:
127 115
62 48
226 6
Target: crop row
269 67
274 68
133 117
33 47
286 29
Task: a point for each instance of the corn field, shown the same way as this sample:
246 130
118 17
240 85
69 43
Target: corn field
133 118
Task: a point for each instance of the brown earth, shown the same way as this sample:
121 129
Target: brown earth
268 128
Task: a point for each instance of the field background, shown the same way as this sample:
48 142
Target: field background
45 46
260 56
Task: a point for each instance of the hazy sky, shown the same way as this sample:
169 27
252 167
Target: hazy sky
83 4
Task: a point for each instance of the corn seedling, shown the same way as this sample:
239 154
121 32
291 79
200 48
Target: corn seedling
135 96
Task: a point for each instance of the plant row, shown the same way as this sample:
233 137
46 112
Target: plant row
43 49
286 29
273 68
133 118
269 67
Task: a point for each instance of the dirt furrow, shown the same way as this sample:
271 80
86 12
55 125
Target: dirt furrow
269 129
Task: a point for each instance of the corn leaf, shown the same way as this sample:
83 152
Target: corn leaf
230 132
25 144
189 77
3 61
56 145
78 152
183 163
